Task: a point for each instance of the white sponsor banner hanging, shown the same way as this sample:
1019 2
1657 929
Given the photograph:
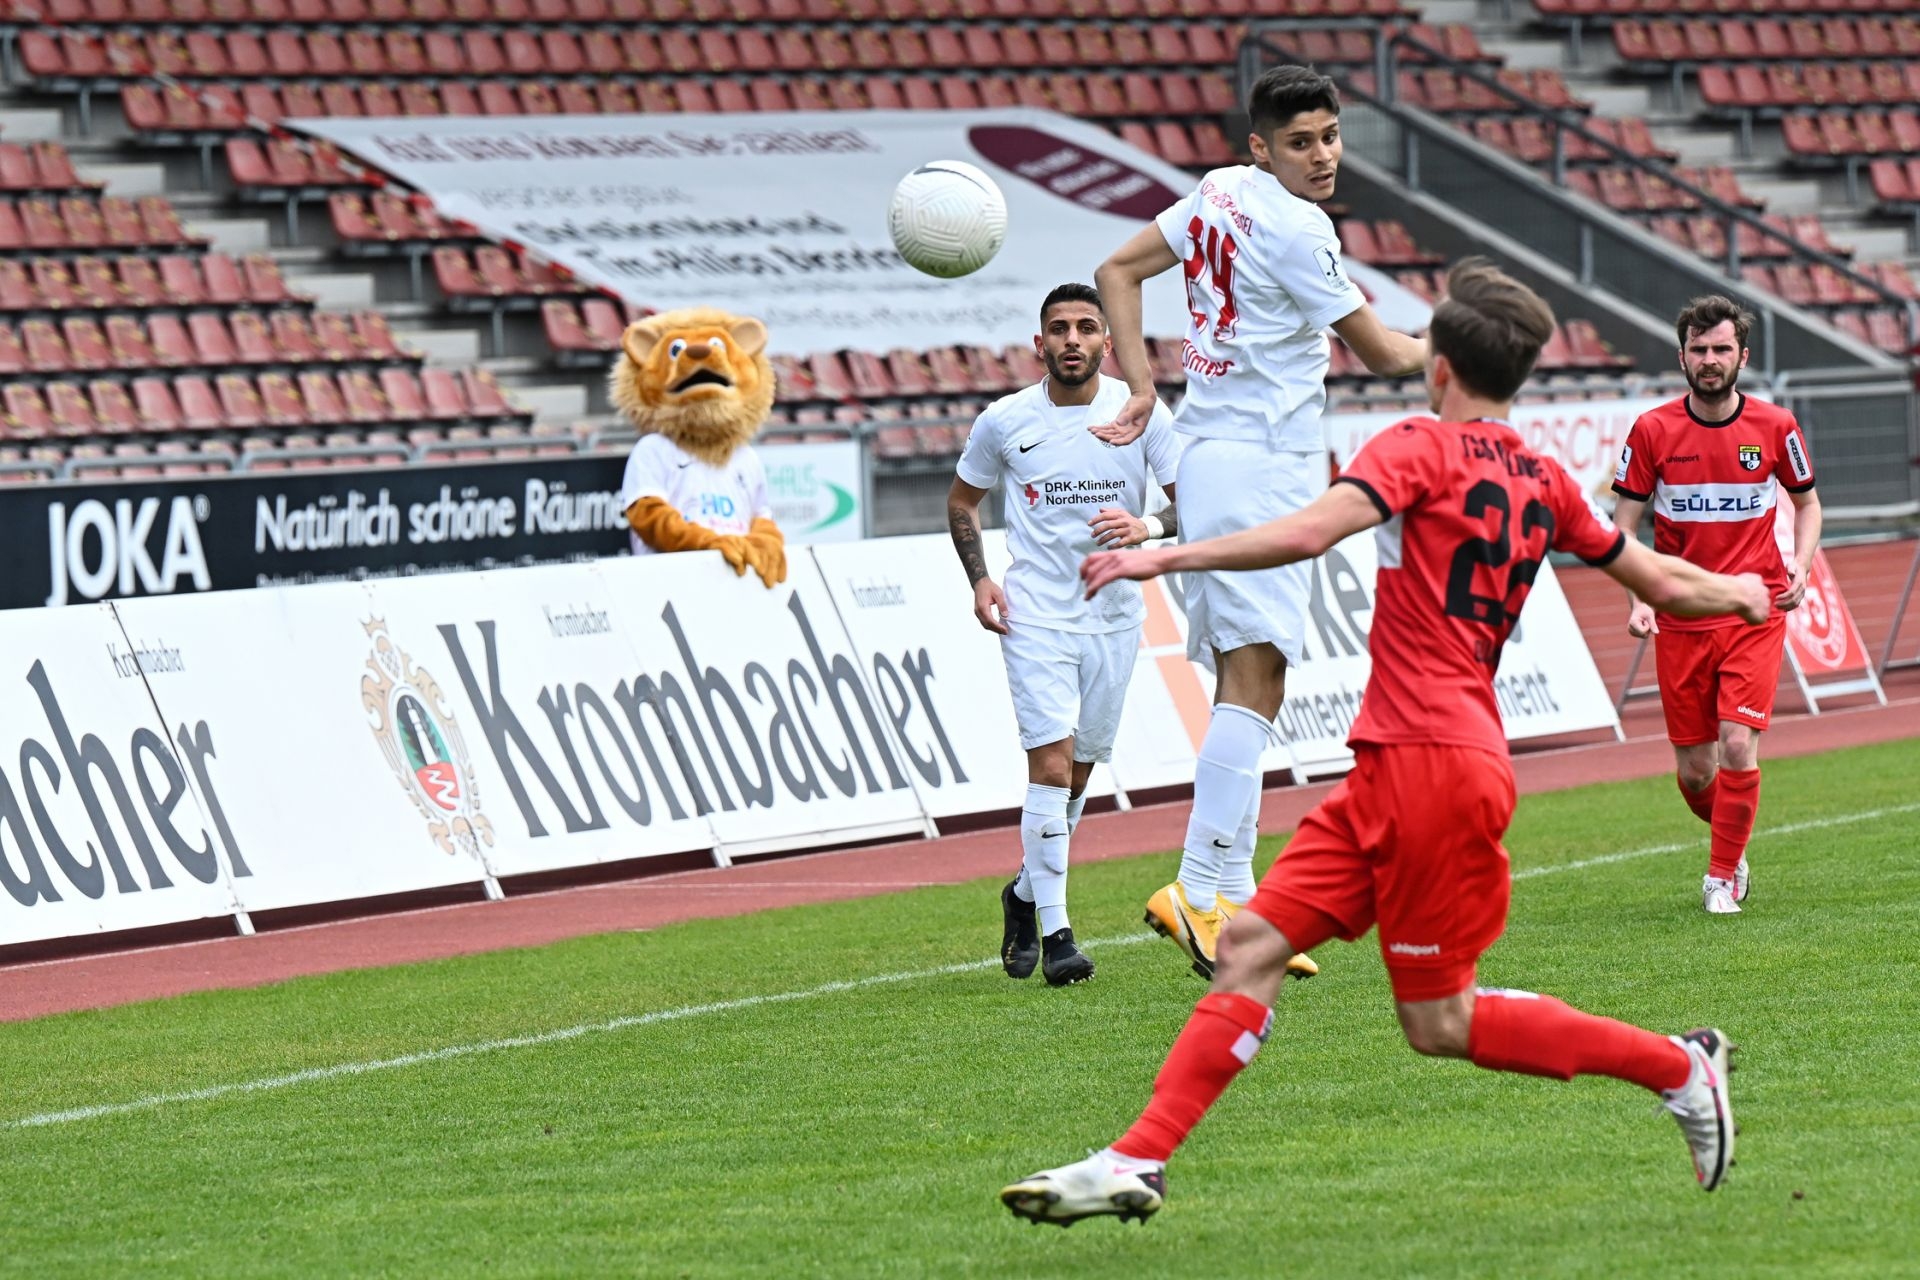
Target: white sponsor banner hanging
816 490
783 216
563 746
100 828
1584 436
329 755
1546 684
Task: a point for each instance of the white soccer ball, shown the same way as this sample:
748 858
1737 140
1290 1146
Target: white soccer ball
947 218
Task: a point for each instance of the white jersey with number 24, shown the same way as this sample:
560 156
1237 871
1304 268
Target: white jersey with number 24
1264 282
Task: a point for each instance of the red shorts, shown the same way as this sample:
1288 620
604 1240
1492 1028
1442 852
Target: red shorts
1410 839
1728 673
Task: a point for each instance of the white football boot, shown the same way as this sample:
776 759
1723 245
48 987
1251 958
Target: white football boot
1103 1183
1717 897
1703 1107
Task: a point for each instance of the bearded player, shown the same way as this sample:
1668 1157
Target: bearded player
1712 465
1068 659
1410 839
1264 283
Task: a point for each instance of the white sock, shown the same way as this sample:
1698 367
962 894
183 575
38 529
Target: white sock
1043 841
1023 883
1236 874
1226 780
1075 807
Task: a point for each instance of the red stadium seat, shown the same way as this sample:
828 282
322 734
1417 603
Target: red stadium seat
128 346
86 344
156 408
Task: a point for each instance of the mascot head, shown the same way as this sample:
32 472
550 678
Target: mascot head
698 376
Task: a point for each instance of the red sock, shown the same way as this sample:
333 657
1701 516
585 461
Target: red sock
1701 802
1221 1037
1540 1036
1736 801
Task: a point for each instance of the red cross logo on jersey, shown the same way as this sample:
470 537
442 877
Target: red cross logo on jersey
1033 495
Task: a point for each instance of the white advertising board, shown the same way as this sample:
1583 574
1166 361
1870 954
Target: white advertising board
909 614
556 718
1547 683
100 825
784 216
1584 436
776 719
333 761
816 490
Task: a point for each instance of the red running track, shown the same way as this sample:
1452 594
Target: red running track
38 987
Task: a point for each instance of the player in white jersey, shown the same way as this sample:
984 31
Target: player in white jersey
1068 659
1264 283
723 499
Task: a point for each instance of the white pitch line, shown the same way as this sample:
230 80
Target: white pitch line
1787 829
312 1074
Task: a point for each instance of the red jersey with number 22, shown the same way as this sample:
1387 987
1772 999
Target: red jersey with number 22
1470 513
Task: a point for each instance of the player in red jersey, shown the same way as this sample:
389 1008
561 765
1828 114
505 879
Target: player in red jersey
1410 839
1712 465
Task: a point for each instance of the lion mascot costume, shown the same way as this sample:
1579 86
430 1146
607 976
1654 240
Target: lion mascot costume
698 385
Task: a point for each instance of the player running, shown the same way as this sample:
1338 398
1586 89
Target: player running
1068 659
1264 283
1410 839
1712 463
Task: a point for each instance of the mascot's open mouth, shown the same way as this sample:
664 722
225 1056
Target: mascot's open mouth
702 378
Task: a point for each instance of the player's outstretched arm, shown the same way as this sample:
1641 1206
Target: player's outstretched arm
963 522
1384 352
1118 280
1626 516
1673 585
1343 510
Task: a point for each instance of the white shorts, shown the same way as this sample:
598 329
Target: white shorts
1069 684
1225 486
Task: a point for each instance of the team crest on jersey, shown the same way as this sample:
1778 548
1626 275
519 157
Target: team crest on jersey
1750 457
422 744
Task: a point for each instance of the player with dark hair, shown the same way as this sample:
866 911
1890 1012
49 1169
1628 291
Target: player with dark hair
1410 839
1264 283
1712 465
1068 661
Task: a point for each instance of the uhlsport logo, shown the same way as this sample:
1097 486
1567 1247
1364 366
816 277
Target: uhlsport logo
423 744
1750 456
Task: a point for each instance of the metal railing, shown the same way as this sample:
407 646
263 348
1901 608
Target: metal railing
1596 245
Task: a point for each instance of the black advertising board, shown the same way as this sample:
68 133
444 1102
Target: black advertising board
70 544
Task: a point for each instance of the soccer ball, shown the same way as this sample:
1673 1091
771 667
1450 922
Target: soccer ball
947 218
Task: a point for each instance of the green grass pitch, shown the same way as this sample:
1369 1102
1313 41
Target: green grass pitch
863 1129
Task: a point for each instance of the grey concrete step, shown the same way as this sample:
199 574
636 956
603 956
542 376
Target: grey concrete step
1616 100
551 403
1697 146
1784 195
1527 55
1440 12
455 347
129 180
30 124
239 236
1871 244
334 291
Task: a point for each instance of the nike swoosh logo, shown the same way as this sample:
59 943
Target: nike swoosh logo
1218 845
1051 835
1035 445
684 465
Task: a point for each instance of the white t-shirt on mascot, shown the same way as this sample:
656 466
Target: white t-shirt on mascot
1264 282
1057 476
723 499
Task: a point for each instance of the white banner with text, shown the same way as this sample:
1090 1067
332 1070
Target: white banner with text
784 216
